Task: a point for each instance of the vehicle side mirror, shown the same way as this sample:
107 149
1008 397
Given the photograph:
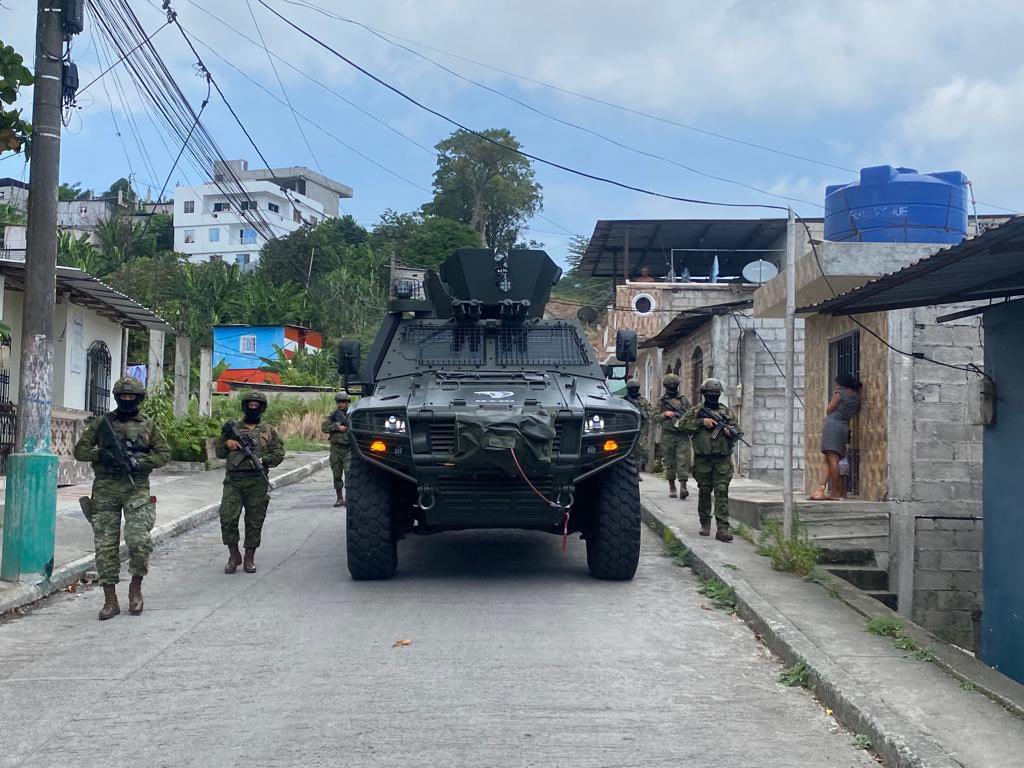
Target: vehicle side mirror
616 372
625 345
349 358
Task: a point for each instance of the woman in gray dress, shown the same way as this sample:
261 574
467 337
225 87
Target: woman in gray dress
835 434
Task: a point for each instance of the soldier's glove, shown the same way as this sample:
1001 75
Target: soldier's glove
108 458
133 464
228 429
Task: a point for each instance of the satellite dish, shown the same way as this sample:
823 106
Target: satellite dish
586 315
759 271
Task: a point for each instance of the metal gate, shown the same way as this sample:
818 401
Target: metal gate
844 357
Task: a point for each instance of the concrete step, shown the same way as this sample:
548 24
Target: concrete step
885 598
869 578
844 555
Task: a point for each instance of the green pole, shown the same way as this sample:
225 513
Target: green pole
30 511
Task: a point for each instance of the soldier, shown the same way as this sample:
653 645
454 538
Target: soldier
640 449
251 449
336 425
124 447
714 433
675 444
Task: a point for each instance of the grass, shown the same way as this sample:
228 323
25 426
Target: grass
720 594
731 566
675 551
298 443
744 532
923 654
967 685
797 675
906 643
861 741
797 555
883 626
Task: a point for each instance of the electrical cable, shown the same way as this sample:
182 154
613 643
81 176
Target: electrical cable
735 317
122 58
537 158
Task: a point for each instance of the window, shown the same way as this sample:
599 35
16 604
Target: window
217 257
249 205
82 210
643 304
214 234
844 357
313 219
247 345
97 378
274 207
696 374
190 206
242 259
247 236
190 235
218 207
296 216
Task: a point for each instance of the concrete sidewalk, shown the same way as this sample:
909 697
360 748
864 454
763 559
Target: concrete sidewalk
183 501
915 712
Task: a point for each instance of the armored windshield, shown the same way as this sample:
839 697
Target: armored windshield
452 344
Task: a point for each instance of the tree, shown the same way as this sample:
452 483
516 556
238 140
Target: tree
11 215
67 192
575 286
120 240
78 252
310 253
421 240
123 186
15 133
486 185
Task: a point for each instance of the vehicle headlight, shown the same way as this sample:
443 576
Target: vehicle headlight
395 425
594 424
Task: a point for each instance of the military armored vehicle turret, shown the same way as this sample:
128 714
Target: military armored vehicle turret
476 412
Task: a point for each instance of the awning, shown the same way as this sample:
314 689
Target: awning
987 267
690 320
737 242
84 289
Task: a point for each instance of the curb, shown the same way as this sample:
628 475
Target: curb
834 687
71 573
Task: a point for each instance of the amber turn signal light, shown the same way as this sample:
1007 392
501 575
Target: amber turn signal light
610 445
378 446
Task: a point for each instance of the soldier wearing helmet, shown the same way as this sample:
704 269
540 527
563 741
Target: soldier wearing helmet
336 426
123 447
646 412
251 449
714 432
675 444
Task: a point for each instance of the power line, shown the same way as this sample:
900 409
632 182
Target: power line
85 87
536 158
568 123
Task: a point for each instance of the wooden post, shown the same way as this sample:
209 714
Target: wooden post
155 369
205 381
182 369
788 413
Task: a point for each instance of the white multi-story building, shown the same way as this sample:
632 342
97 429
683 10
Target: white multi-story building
218 222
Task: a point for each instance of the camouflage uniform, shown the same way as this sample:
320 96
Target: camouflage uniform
245 485
341 447
675 443
712 463
640 450
113 492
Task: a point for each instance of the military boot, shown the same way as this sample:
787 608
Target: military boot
684 492
722 533
110 607
135 596
705 526
671 489
340 502
249 566
234 559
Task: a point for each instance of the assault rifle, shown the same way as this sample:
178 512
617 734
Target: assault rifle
122 450
732 433
248 443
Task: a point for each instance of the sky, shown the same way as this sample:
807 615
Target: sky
932 85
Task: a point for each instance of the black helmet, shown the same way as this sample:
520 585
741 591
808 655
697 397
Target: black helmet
343 397
254 397
712 385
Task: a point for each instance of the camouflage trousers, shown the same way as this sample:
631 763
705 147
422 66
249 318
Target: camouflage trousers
713 475
112 496
639 452
251 492
675 455
341 460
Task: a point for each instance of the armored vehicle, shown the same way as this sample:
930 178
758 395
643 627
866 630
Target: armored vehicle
476 412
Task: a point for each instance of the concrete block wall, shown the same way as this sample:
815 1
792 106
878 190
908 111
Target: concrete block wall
947 577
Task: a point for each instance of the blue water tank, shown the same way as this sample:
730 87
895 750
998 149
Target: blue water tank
898 205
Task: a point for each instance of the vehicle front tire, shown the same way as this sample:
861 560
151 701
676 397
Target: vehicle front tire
613 536
370 530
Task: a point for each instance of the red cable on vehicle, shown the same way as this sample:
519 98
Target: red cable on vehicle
553 504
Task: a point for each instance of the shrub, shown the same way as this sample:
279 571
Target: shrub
720 593
885 626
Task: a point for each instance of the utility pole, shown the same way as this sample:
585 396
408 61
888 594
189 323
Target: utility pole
787 447
30 512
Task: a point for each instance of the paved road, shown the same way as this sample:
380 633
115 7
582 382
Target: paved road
518 658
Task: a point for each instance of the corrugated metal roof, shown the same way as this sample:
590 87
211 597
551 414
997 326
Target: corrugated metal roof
687 321
85 289
651 241
988 266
